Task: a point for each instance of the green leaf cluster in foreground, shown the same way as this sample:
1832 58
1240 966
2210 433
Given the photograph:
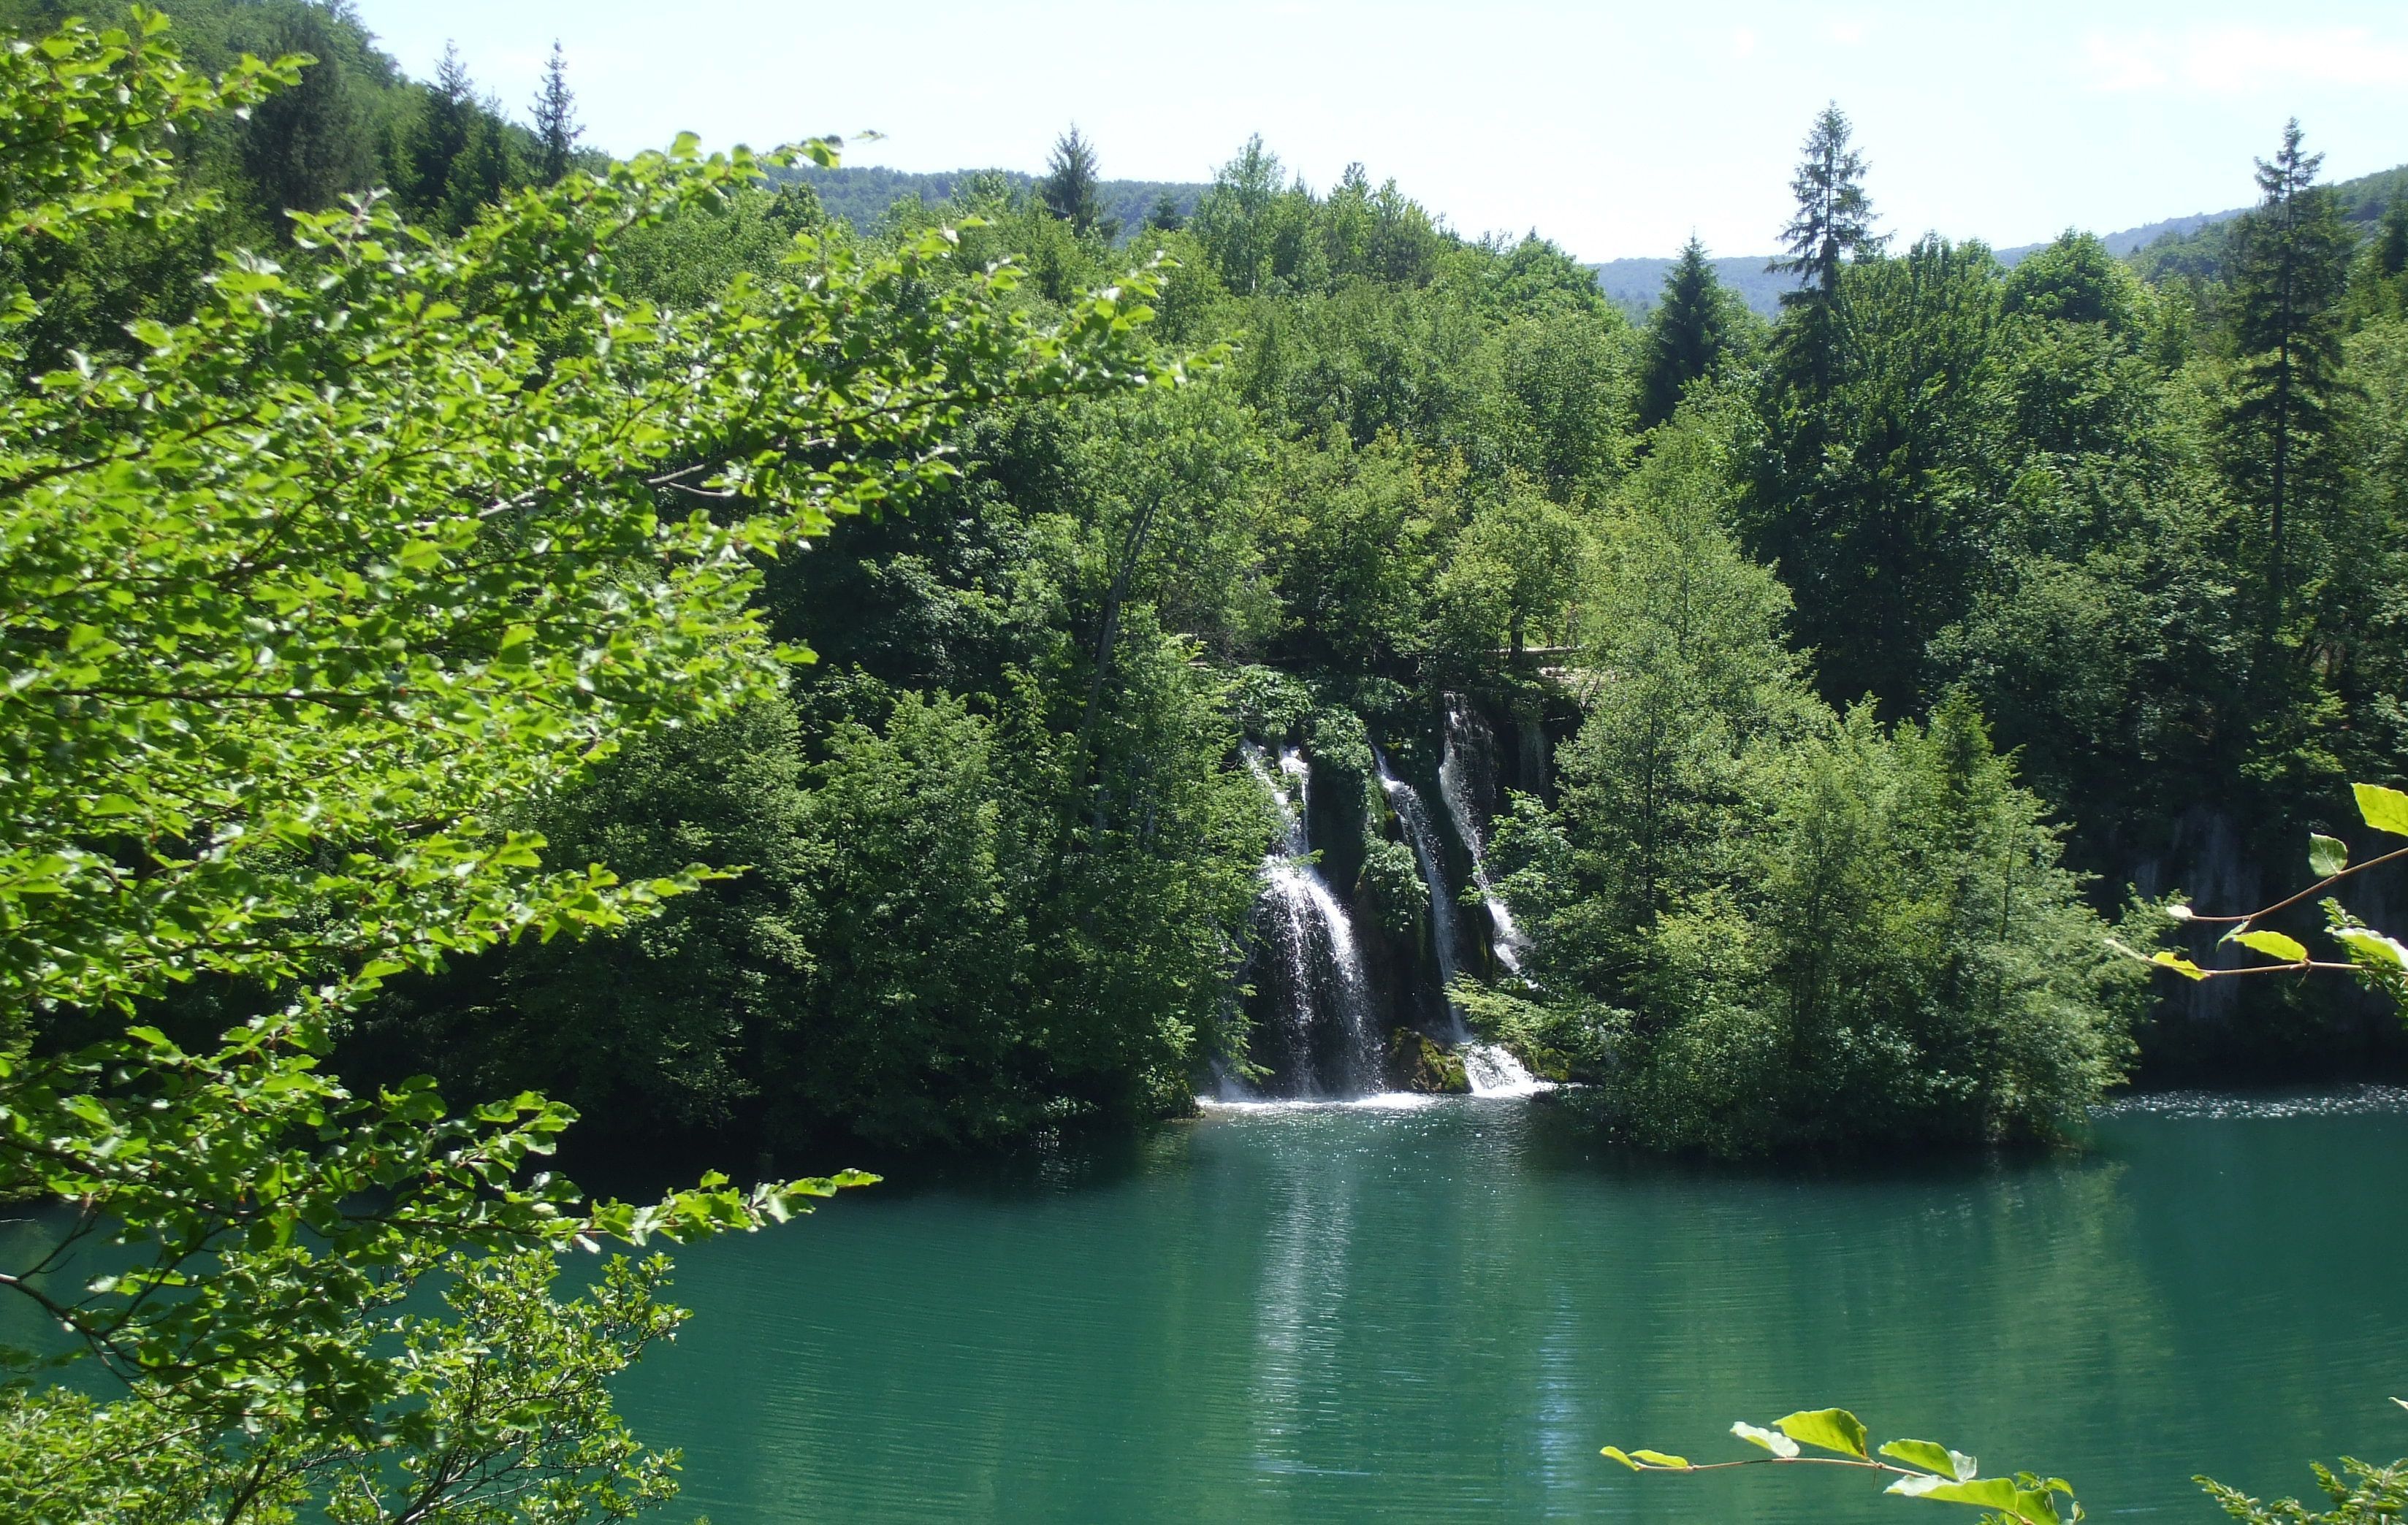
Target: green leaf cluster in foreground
296 600
1923 1468
1917 1469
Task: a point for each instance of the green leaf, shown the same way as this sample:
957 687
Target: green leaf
1983 1493
2372 949
2175 962
2384 809
2274 944
2327 855
1830 1428
1931 1457
1771 1439
1661 1459
1620 1455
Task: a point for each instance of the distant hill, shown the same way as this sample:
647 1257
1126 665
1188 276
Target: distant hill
2193 244
1635 284
861 195
2178 245
2198 250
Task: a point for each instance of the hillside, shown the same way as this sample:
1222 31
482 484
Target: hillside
2198 250
859 196
2189 245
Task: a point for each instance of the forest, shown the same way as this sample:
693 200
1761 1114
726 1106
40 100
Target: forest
501 636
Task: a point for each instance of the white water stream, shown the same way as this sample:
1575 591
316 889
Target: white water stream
1453 783
1307 923
1407 802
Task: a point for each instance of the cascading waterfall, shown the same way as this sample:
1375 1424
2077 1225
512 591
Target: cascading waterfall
1494 1071
1310 930
1407 803
1489 1068
1455 786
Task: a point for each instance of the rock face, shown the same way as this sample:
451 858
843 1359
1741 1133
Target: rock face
1416 1063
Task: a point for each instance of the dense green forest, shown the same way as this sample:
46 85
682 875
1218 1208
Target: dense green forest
1956 586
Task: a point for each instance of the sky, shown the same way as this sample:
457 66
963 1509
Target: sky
1616 130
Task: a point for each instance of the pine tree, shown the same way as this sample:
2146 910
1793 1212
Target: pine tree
1069 188
556 129
305 147
2289 271
1687 335
1834 223
1165 214
436 138
1835 217
482 171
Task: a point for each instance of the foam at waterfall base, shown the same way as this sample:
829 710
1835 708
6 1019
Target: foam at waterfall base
1386 1101
1495 1072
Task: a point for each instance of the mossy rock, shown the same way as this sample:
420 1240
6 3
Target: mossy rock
1417 1063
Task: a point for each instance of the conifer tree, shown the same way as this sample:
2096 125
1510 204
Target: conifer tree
1835 217
2289 271
1687 335
1069 188
436 138
1834 223
1165 214
556 129
305 147
483 172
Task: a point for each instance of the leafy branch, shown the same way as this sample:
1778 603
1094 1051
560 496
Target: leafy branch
2381 960
1919 1469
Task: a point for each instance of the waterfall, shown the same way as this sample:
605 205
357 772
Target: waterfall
1407 802
1309 926
1452 783
1494 1071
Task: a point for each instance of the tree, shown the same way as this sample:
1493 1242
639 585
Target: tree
1834 221
436 137
1515 565
2289 271
1164 216
1687 335
1879 477
302 601
556 129
305 147
1833 224
1253 226
1069 188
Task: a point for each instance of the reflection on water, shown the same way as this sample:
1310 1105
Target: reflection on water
1441 1312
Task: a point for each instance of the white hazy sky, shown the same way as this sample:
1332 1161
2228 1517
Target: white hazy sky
1613 128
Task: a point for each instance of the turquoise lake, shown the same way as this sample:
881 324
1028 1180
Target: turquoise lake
1441 1312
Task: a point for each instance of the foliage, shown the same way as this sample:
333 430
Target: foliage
1822 928
1391 883
2378 960
304 598
1919 1469
1068 188
2369 1494
1690 334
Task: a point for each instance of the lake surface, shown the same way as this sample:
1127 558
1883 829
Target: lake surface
1442 1312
